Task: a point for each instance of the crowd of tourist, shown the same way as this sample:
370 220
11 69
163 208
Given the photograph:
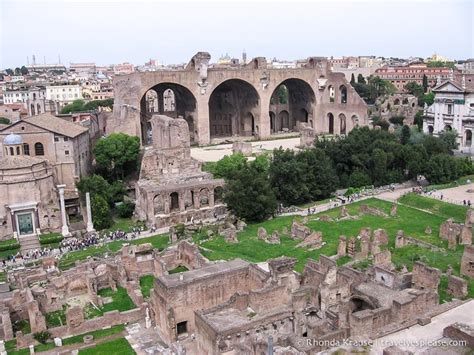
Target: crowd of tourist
72 244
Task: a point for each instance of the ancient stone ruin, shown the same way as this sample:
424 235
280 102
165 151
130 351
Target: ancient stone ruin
172 188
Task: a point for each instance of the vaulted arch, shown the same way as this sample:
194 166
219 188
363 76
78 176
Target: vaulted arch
234 108
168 99
296 98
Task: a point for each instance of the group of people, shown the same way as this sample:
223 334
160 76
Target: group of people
72 244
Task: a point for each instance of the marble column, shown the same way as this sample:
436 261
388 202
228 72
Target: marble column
65 228
90 225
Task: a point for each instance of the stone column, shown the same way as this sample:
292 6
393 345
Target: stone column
196 198
65 228
182 207
90 225
211 197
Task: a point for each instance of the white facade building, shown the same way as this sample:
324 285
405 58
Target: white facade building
63 93
12 96
453 109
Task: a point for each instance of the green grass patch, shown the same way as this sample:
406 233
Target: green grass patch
3 276
440 208
117 347
121 301
461 181
101 333
50 239
146 284
56 318
91 312
9 244
413 222
178 269
69 260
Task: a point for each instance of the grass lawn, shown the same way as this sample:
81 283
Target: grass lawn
10 345
121 301
412 221
118 346
69 260
56 318
3 276
461 181
178 269
146 284
97 334
440 208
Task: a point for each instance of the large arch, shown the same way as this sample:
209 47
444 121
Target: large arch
234 108
297 98
168 99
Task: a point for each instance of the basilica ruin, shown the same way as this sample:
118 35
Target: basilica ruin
253 100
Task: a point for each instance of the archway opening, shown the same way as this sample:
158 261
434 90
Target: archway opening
430 130
233 106
330 123
342 121
174 205
295 98
468 140
355 121
168 99
343 93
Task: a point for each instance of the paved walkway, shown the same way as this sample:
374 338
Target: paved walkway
145 341
217 152
412 337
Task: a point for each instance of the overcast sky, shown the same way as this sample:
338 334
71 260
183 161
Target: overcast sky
116 31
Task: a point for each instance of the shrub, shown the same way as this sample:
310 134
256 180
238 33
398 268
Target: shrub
125 209
42 337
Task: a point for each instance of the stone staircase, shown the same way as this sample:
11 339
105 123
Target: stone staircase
30 242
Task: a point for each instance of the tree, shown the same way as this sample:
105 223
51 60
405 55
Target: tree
405 137
429 98
249 196
441 169
227 166
418 120
4 120
415 89
359 178
75 106
382 123
24 70
353 80
379 167
117 154
17 71
9 71
361 79
397 120
450 139
100 212
94 184
425 83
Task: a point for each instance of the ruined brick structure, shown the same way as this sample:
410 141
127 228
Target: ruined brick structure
222 102
172 188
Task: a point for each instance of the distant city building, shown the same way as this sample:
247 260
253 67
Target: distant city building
453 109
63 94
402 75
86 68
124 68
39 68
15 95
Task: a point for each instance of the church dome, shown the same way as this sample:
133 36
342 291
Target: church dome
13 139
